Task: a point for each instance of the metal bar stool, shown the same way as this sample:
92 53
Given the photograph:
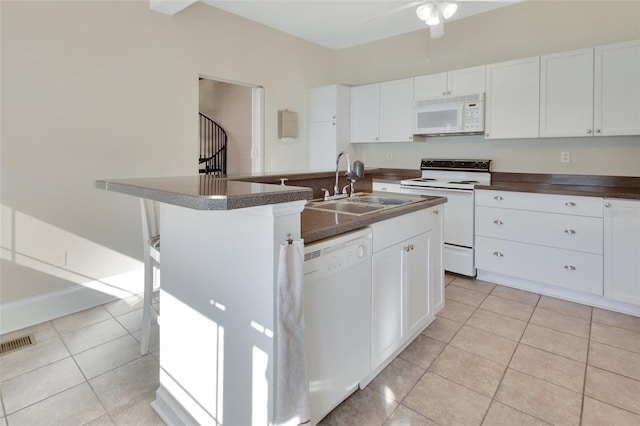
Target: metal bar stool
151 238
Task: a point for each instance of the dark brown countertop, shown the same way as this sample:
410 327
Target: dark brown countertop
394 175
202 192
316 225
585 185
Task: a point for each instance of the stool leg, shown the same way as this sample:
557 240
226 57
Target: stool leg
146 304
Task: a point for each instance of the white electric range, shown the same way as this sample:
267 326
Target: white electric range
454 179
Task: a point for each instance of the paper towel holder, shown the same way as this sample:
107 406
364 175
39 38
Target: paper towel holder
287 124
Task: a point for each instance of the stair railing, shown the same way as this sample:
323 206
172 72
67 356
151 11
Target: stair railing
213 147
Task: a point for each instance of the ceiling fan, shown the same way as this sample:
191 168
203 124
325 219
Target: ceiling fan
432 12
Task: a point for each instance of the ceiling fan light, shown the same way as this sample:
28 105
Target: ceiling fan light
434 17
448 9
437 30
423 11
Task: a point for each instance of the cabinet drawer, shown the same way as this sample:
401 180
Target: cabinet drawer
401 228
551 203
562 268
579 233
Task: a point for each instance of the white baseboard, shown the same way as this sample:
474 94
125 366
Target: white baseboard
46 307
560 293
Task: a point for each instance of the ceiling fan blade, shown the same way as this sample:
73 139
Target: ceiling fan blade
392 11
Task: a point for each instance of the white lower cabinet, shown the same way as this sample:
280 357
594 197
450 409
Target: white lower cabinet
622 250
547 265
407 280
542 238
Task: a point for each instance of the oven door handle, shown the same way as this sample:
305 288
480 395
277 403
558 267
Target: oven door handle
443 190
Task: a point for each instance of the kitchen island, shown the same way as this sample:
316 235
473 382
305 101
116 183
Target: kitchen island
220 242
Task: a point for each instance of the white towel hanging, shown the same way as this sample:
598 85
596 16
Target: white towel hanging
292 383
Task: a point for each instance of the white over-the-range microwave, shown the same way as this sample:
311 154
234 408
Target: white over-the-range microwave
460 115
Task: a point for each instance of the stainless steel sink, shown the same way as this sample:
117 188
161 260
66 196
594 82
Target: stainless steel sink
389 201
361 204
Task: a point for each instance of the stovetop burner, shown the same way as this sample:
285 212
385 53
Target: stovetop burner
455 174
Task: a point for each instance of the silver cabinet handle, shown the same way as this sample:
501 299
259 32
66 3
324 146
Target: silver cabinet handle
607 204
498 254
334 116
436 212
570 204
597 130
444 93
333 124
497 197
498 222
589 131
569 231
569 267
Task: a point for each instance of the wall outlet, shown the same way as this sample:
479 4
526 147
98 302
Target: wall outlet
565 157
389 156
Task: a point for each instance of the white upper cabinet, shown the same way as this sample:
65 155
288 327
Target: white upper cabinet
591 92
430 86
323 103
396 107
382 112
566 94
617 89
329 125
460 82
513 99
365 113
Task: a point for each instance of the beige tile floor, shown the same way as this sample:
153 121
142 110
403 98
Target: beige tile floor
85 369
501 356
493 356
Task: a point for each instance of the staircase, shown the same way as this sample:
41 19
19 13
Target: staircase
213 147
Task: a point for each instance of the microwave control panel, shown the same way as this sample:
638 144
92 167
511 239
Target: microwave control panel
474 116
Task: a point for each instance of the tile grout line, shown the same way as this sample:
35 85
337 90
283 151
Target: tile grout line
493 397
428 369
86 380
586 365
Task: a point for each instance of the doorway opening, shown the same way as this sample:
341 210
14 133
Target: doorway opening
234 111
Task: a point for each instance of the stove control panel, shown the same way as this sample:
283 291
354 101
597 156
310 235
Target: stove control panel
456 165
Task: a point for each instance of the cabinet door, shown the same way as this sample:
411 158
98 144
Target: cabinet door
617 89
466 81
430 86
622 250
418 281
387 303
436 268
513 99
322 145
323 103
365 113
396 108
566 94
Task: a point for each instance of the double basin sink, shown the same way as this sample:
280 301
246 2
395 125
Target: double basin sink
362 203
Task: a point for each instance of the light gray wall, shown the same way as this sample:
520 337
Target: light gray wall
526 29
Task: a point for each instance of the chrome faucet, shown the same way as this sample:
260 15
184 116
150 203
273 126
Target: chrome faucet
347 174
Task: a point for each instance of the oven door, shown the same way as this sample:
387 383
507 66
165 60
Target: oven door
458 213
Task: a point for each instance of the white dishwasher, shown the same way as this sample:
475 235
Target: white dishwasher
337 314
